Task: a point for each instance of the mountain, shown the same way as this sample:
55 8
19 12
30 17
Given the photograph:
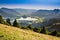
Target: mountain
54 24
51 24
47 13
25 11
29 12
7 12
13 33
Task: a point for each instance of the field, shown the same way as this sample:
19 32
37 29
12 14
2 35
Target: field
13 33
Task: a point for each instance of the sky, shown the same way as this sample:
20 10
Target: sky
31 4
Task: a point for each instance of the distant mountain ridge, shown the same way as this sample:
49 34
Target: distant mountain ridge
25 11
15 12
6 12
47 13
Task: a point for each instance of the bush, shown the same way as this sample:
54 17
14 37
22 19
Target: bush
23 27
29 27
36 29
58 35
54 33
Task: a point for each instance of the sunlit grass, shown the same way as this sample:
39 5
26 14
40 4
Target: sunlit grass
13 33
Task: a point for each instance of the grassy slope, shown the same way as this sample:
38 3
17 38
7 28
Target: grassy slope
12 33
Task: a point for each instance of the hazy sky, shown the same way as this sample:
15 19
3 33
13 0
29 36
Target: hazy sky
31 4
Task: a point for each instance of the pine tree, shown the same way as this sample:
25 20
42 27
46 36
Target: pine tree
1 20
8 21
15 23
43 30
29 27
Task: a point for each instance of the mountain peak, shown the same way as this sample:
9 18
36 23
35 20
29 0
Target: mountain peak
4 8
56 9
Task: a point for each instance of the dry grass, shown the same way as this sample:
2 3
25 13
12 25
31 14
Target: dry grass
13 33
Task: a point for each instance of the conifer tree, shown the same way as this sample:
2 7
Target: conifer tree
1 20
43 30
8 21
15 23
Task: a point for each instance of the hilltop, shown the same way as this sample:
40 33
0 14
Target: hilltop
13 33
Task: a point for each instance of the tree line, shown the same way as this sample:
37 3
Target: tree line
35 29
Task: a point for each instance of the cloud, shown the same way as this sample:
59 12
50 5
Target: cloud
31 3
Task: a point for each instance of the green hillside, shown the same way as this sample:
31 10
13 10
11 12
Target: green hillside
13 33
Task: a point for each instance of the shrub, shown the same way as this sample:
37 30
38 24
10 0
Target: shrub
58 35
53 33
29 27
36 29
23 27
